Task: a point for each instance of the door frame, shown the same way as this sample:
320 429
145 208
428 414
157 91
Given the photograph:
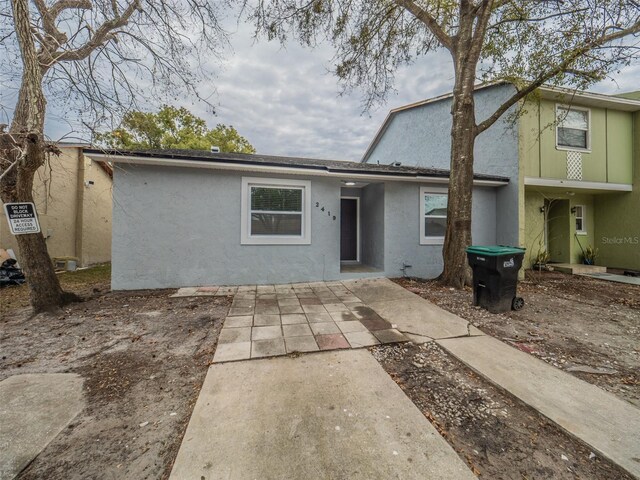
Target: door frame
357 199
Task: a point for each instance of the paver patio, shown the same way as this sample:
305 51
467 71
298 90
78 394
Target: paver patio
273 320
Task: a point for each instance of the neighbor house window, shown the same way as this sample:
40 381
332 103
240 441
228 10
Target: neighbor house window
572 130
433 215
275 211
581 227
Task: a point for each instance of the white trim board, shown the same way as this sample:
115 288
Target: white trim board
424 240
577 184
281 170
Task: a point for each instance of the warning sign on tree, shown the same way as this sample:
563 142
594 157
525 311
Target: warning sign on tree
22 218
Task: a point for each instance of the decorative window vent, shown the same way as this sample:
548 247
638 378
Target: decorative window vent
574 165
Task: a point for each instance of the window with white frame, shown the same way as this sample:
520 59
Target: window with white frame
275 211
433 215
581 227
572 127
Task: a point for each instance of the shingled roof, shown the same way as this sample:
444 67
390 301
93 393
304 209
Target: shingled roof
311 164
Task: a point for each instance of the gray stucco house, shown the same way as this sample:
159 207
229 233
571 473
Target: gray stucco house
419 135
190 218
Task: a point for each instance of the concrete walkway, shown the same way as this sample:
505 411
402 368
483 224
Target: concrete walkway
323 415
339 415
34 408
608 424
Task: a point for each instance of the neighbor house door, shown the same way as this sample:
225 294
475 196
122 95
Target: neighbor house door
559 230
349 229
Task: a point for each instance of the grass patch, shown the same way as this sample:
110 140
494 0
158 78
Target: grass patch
77 282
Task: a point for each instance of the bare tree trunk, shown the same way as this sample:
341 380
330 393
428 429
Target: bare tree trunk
25 144
456 272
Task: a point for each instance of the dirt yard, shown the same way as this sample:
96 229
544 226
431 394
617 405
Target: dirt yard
588 327
498 436
143 356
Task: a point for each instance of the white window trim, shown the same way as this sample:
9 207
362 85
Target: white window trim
574 149
245 218
584 220
424 240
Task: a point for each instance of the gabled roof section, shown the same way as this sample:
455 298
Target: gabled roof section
591 99
393 112
295 165
629 102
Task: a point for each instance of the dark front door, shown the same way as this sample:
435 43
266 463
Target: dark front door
348 229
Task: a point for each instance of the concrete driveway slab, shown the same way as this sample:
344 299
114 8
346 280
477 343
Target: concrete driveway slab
34 408
377 289
334 415
609 425
420 317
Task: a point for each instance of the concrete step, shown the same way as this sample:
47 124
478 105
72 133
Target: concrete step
578 268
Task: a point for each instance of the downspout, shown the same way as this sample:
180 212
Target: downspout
79 207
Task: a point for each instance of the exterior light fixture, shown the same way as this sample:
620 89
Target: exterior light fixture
349 184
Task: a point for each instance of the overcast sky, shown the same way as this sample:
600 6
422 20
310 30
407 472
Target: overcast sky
285 103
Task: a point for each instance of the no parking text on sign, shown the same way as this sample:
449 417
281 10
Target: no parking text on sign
22 218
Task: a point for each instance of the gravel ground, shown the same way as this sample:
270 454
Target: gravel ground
498 436
587 327
143 357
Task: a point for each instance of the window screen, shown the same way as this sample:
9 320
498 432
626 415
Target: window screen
276 211
573 128
435 214
580 226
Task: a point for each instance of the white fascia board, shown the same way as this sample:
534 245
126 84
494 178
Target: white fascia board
591 99
577 184
169 162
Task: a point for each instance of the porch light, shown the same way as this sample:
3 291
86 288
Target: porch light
349 184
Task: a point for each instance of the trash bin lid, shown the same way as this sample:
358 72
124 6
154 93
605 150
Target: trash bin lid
494 250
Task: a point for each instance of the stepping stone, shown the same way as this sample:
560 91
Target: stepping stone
301 344
349 327
34 409
324 328
335 307
268 348
298 330
235 335
293 319
237 322
319 317
287 309
361 339
332 342
227 352
261 320
343 316
265 333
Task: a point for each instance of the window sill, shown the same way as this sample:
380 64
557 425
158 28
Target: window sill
275 241
582 234
573 149
432 241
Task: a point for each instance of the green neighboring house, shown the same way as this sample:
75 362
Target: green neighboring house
572 160
580 169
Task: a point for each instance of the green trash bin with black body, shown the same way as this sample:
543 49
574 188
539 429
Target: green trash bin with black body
495 276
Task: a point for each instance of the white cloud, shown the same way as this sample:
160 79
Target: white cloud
285 102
